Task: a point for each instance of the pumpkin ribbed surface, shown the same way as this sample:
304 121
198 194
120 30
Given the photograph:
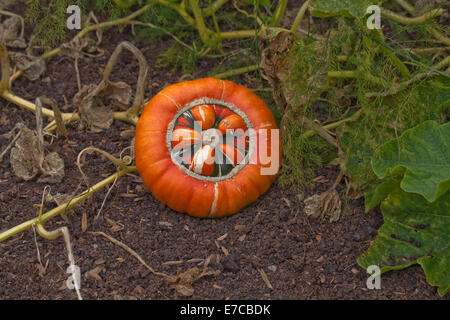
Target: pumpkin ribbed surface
202 146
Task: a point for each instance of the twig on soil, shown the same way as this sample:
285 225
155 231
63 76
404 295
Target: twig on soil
265 278
10 145
37 246
130 251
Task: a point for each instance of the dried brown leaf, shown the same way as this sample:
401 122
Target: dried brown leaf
26 156
273 62
183 282
78 47
94 274
32 67
96 103
326 205
10 33
52 170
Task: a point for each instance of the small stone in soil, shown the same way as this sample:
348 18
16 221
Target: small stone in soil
272 268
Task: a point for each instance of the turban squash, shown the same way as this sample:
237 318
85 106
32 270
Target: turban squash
207 147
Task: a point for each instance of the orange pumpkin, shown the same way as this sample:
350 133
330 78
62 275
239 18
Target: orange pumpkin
207 147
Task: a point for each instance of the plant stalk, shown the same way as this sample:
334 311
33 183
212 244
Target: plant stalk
415 20
299 17
65 206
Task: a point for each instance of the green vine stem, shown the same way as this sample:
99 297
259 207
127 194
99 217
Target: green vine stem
278 14
415 20
216 5
405 84
440 37
205 34
392 56
65 206
334 125
239 34
426 50
236 72
405 5
299 17
182 12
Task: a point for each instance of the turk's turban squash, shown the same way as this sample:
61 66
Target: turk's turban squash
207 147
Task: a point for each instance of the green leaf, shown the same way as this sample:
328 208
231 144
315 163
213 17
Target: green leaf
424 153
414 231
265 3
347 8
381 189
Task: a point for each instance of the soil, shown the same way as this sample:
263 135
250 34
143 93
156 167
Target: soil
303 258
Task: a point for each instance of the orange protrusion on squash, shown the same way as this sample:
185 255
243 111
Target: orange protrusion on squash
183 137
232 122
203 161
205 115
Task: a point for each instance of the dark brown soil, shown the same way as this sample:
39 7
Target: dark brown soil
302 257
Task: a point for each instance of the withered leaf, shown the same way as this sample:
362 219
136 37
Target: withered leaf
96 103
10 33
25 155
52 170
32 67
273 64
26 158
183 282
77 47
326 205
94 274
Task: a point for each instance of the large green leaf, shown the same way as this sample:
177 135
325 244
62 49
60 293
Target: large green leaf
414 231
424 153
349 8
